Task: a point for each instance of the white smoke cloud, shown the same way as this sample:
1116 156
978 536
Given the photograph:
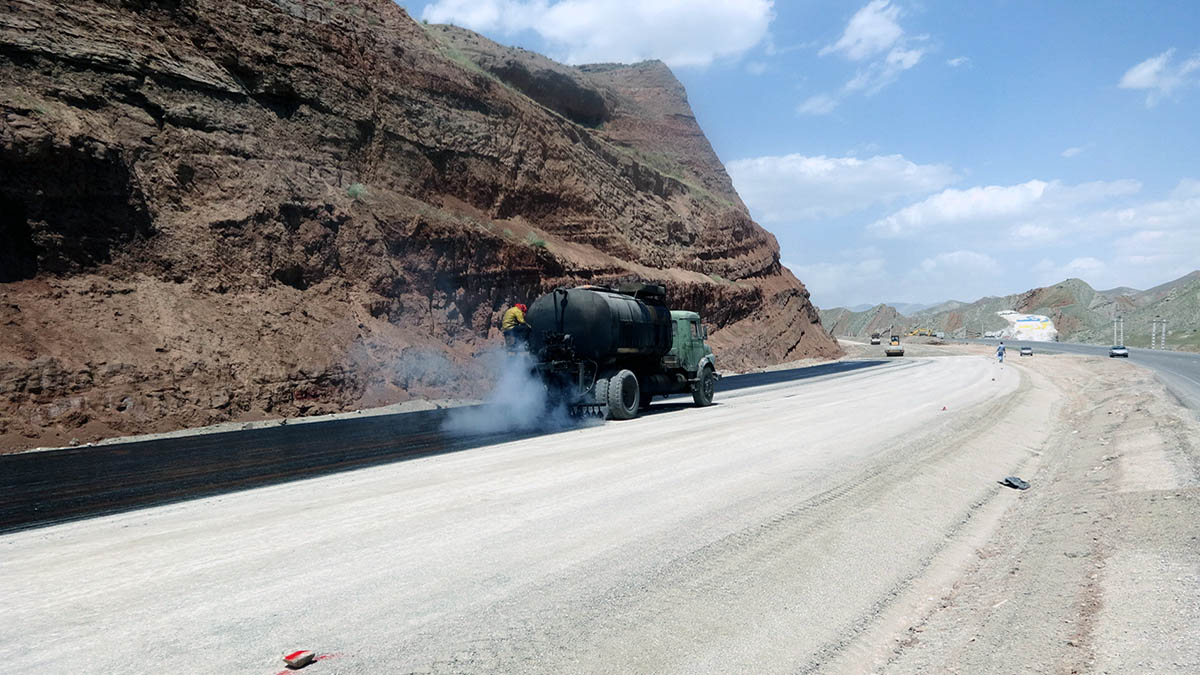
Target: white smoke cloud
518 401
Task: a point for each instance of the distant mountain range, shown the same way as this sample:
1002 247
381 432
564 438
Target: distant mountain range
1080 312
902 307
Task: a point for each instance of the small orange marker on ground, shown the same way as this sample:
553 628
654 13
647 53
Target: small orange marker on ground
297 660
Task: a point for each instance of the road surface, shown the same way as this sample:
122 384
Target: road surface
845 524
671 542
37 488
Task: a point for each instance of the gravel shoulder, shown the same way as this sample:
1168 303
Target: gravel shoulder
1097 567
851 524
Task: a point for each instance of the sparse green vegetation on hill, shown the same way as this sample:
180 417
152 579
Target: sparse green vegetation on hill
1081 313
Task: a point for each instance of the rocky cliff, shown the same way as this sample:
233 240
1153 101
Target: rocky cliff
881 319
228 210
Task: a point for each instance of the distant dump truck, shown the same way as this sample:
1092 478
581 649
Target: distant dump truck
875 339
894 348
608 351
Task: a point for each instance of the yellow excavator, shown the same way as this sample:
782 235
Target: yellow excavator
894 348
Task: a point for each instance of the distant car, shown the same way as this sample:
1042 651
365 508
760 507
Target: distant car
1118 350
1026 351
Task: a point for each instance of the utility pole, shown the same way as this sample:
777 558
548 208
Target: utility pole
1119 331
1158 333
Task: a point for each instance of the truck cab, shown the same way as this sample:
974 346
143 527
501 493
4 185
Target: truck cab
688 348
691 359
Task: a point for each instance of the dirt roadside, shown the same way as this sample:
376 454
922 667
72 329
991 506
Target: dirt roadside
1096 568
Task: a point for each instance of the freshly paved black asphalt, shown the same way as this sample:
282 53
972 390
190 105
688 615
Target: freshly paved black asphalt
40 488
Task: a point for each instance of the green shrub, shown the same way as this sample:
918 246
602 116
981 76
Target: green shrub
535 241
356 190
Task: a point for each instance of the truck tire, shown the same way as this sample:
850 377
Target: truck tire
705 387
623 395
600 393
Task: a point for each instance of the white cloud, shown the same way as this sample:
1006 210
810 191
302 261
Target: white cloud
872 30
1090 269
958 62
960 262
1159 77
821 104
998 205
756 67
873 38
863 149
831 284
1179 211
880 74
1071 152
1188 188
1081 267
693 33
953 274
792 188
1029 233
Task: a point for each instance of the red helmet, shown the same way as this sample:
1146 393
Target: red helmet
521 307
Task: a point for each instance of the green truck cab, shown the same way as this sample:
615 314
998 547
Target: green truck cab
692 355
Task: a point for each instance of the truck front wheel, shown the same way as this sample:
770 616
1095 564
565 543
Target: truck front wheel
705 387
623 395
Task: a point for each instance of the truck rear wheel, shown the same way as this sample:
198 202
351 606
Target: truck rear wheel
705 388
623 395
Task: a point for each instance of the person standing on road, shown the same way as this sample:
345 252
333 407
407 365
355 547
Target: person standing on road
1000 353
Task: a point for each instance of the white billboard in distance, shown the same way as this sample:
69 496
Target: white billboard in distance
1034 327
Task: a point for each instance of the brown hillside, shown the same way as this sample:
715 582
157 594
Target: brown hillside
231 210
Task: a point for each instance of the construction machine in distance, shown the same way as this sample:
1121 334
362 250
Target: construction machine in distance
894 348
876 339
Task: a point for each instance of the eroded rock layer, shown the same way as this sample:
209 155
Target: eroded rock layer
226 210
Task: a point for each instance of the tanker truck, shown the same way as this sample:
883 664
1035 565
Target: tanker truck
608 351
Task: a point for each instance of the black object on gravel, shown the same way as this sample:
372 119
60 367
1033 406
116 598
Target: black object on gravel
1014 482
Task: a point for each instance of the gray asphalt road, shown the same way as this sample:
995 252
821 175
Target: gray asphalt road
38 488
1180 371
763 534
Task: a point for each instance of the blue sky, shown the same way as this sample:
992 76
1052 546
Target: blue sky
923 151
